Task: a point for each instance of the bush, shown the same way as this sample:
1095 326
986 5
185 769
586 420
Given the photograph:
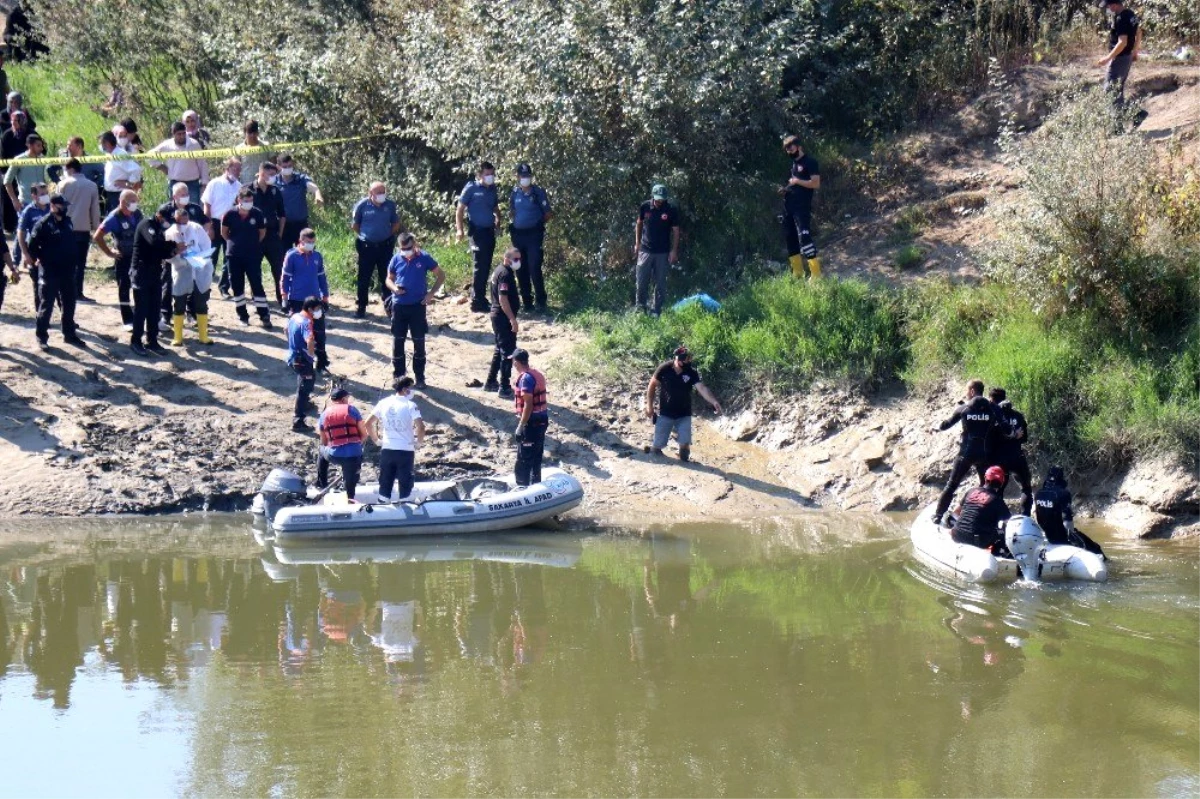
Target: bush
909 257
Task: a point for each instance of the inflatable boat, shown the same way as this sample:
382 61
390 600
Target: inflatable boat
533 549
1033 557
448 507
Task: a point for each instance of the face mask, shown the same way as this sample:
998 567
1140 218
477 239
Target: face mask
379 198
122 141
406 253
245 206
318 313
133 207
43 199
516 264
181 202
489 180
182 223
286 171
307 246
526 181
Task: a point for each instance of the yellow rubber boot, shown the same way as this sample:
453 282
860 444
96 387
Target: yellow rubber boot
797 262
177 326
202 329
814 267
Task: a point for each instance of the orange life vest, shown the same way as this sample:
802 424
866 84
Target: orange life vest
341 427
538 396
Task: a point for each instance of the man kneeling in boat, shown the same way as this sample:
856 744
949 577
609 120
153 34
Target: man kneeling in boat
983 510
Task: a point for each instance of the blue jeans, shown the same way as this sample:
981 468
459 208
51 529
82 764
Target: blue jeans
665 424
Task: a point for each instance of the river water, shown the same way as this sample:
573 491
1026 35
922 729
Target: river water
802 657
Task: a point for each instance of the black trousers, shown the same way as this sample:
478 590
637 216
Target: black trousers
241 271
146 302
373 259
396 465
483 247
1018 467
291 232
3 286
797 232
56 284
296 306
962 464
529 453
409 320
83 243
506 342
350 469
305 380
122 266
273 251
194 302
529 276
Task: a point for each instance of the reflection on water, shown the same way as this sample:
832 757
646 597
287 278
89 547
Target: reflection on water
700 661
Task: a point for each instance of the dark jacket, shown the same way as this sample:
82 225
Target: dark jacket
52 242
979 524
150 249
978 417
1051 508
1008 436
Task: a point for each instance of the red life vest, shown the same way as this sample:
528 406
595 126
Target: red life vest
538 397
340 426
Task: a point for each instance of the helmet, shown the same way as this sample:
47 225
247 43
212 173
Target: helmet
994 474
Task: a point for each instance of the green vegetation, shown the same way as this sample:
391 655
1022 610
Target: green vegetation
909 256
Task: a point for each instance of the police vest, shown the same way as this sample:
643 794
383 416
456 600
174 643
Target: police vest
537 397
340 426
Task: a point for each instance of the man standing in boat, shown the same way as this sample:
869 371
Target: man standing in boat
1005 448
533 417
396 426
978 417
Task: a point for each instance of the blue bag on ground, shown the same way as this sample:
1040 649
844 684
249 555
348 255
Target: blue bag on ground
708 302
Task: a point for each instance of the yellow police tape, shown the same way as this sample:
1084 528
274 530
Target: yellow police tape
219 152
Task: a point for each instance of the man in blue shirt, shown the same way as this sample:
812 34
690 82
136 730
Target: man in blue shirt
529 208
376 223
302 345
295 187
303 277
407 281
244 227
28 217
121 224
479 208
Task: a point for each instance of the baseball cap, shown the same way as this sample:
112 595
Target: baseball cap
339 393
682 352
659 192
520 355
524 170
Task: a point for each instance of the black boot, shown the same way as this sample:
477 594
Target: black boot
491 385
419 373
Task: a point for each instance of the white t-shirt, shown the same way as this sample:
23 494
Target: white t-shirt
221 194
396 415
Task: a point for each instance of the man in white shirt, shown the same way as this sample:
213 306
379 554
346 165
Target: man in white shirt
219 197
119 174
396 426
192 171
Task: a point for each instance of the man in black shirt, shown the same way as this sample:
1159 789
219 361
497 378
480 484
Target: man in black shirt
655 246
244 228
1005 447
803 181
978 417
505 299
269 200
1124 42
982 511
674 381
150 249
1054 512
52 245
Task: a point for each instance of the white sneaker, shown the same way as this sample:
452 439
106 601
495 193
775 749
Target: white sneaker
163 327
127 327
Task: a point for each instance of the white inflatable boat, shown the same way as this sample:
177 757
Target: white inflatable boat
534 549
1035 558
450 507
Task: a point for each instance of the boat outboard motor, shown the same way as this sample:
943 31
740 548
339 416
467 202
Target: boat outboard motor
1027 543
280 489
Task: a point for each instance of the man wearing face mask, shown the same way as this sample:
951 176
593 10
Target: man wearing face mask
190 283
51 244
30 215
269 200
295 187
119 174
180 198
529 208
218 198
655 246
803 182
150 249
304 277
375 224
502 286
244 229
410 294
122 225
302 345
479 208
